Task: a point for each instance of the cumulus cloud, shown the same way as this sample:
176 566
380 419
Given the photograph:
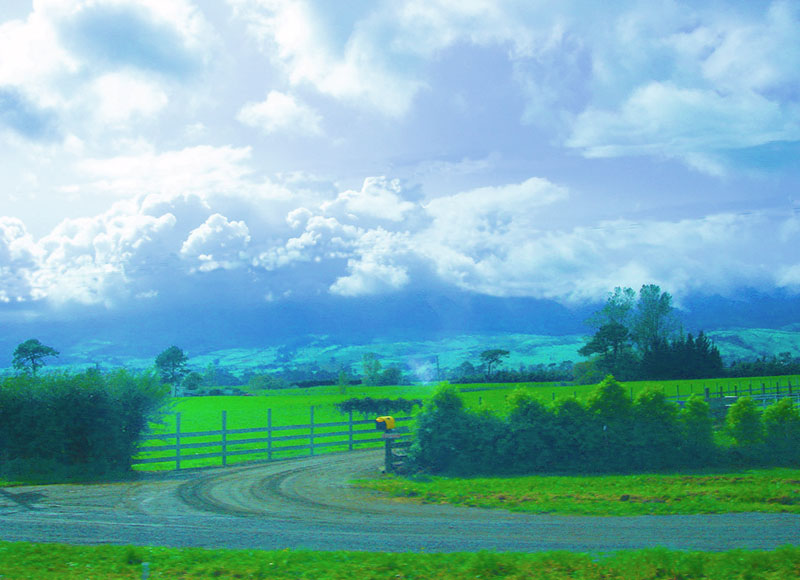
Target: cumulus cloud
296 33
217 243
378 198
84 65
280 112
698 85
491 240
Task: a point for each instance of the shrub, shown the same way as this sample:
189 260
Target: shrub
782 432
697 445
89 424
656 434
612 421
369 406
743 424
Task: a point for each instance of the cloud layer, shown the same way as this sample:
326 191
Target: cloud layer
273 148
493 240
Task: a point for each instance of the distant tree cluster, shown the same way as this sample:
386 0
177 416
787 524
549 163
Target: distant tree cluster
610 433
639 337
781 364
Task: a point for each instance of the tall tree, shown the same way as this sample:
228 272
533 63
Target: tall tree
653 320
171 364
493 358
29 356
618 309
372 368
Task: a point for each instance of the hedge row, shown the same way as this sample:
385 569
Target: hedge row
75 425
610 433
369 406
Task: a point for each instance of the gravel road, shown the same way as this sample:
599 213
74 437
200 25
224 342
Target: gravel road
307 503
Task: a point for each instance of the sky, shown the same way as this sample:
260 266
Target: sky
268 150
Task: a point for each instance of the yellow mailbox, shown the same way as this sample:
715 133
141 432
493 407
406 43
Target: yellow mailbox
384 423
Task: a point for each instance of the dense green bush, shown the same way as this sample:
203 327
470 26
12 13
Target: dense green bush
75 425
369 406
610 433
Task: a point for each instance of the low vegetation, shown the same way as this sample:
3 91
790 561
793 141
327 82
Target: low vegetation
607 433
774 490
74 426
33 561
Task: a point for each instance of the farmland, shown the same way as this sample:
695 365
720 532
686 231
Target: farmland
286 407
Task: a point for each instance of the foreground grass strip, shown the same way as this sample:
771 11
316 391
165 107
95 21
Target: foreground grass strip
47 561
771 490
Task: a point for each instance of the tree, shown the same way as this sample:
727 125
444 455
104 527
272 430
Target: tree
617 310
743 423
612 343
193 381
493 358
372 369
30 355
171 364
782 432
653 320
698 432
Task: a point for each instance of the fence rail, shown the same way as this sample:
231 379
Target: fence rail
225 443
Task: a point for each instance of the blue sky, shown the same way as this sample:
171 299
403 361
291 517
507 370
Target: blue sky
291 148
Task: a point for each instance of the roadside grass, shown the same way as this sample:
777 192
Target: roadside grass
756 490
46 561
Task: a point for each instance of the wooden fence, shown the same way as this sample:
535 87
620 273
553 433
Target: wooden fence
185 449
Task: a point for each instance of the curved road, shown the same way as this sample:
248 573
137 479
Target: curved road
307 503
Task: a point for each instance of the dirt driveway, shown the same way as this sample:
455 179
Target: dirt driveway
307 503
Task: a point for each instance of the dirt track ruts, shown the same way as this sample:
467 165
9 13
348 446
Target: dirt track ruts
307 503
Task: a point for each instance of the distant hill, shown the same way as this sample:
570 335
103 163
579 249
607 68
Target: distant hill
401 327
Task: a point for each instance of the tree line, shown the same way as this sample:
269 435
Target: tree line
608 433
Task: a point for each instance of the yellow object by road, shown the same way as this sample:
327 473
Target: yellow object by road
384 423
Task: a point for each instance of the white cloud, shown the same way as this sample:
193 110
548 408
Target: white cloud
378 267
378 198
692 84
199 169
296 34
280 112
94 65
663 119
217 243
120 97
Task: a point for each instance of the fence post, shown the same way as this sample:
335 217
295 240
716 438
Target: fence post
677 390
707 393
311 434
177 441
224 438
350 429
269 434
751 389
735 390
763 389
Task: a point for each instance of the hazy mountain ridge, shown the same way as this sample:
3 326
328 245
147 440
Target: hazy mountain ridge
404 328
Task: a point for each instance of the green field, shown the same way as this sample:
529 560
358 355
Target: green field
47 561
293 407
765 490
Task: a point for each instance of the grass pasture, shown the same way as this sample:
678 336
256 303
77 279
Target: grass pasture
285 408
292 407
45 561
758 490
